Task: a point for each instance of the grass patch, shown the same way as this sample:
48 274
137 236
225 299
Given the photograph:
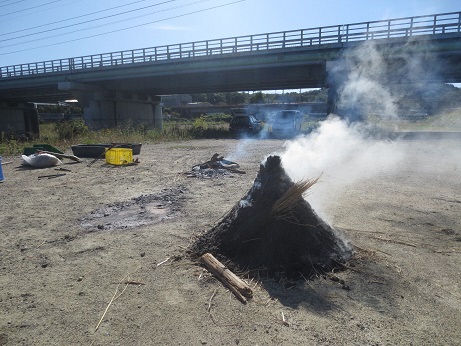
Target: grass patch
64 134
449 120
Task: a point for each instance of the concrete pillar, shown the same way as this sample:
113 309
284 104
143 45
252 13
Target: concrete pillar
99 113
158 116
119 111
104 109
19 120
335 79
337 103
332 99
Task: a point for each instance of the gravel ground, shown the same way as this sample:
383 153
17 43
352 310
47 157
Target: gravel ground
70 245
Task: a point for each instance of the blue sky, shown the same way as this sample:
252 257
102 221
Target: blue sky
40 30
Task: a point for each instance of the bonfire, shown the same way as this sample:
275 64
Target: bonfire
273 230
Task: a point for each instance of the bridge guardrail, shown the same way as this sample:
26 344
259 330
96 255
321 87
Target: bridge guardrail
393 28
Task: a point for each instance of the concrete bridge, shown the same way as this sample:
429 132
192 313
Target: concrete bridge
120 86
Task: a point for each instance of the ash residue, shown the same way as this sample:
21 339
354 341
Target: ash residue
139 211
208 173
216 167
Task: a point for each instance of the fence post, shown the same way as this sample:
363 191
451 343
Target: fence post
459 21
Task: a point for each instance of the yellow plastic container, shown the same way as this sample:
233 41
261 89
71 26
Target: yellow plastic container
119 156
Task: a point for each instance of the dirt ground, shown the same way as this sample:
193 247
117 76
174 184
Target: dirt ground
70 245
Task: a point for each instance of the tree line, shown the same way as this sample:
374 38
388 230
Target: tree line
238 98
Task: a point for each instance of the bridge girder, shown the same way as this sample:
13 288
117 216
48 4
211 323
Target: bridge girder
288 68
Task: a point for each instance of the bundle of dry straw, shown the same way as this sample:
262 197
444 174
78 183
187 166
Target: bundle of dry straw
289 199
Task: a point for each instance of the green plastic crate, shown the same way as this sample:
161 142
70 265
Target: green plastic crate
45 147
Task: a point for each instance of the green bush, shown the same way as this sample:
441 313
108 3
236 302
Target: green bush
69 129
200 124
8 146
217 117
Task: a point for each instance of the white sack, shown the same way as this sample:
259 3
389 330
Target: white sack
40 160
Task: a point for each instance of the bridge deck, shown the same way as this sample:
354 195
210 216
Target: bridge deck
435 24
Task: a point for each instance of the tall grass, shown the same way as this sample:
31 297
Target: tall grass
64 134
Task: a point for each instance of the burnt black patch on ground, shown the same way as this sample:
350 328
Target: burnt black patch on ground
138 211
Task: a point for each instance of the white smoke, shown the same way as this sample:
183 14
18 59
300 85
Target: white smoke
340 153
344 151
364 92
372 89
240 150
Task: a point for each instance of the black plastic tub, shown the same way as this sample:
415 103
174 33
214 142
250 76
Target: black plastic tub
97 150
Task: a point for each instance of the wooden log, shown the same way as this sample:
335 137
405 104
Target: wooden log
240 289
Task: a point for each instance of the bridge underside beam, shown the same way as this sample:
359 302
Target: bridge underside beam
226 80
48 93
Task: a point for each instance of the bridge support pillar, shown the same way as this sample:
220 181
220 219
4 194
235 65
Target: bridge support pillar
19 120
105 109
335 80
158 116
338 102
332 99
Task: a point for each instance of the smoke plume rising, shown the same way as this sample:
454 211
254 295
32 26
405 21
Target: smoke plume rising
346 149
341 154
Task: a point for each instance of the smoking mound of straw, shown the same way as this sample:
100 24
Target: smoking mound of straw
274 230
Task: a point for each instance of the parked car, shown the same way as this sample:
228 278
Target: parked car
245 124
286 123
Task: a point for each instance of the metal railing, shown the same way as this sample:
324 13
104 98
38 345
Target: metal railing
384 29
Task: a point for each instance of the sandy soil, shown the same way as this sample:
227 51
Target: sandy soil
70 243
